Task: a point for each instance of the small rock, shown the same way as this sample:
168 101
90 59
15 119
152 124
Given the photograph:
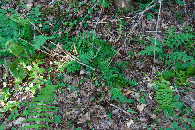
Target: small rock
131 122
18 121
82 72
141 107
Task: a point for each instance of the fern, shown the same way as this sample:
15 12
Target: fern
164 95
39 107
70 66
36 77
117 94
175 43
177 56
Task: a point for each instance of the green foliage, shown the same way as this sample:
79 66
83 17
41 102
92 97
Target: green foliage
9 105
36 76
131 111
105 3
40 106
172 49
16 69
166 100
14 114
19 40
13 28
164 95
117 94
96 53
5 94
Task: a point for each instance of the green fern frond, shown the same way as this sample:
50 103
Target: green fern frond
117 94
40 106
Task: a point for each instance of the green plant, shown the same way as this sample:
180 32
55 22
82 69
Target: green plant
5 94
173 49
14 114
40 106
9 105
36 76
105 3
164 95
117 94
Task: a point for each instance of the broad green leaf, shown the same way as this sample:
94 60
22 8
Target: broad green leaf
176 97
17 71
2 127
143 100
178 105
175 125
149 16
110 115
131 111
57 119
180 2
130 100
12 128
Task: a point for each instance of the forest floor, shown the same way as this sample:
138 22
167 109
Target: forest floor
83 105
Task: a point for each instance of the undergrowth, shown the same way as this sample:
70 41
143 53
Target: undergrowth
174 50
21 40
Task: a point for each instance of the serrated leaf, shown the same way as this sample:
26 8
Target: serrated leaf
40 40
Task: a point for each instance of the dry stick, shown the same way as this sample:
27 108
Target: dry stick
121 109
88 12
136 24
142 13
185 6
161 72
33 45
98 20
69 56
96 24
160 2
153 31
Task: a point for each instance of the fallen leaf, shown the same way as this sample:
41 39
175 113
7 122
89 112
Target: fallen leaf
141 107
131 122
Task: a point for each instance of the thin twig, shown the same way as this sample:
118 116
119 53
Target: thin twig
159 12
135 25
184 6
142 13
121 109
153 31
69 56
33 45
